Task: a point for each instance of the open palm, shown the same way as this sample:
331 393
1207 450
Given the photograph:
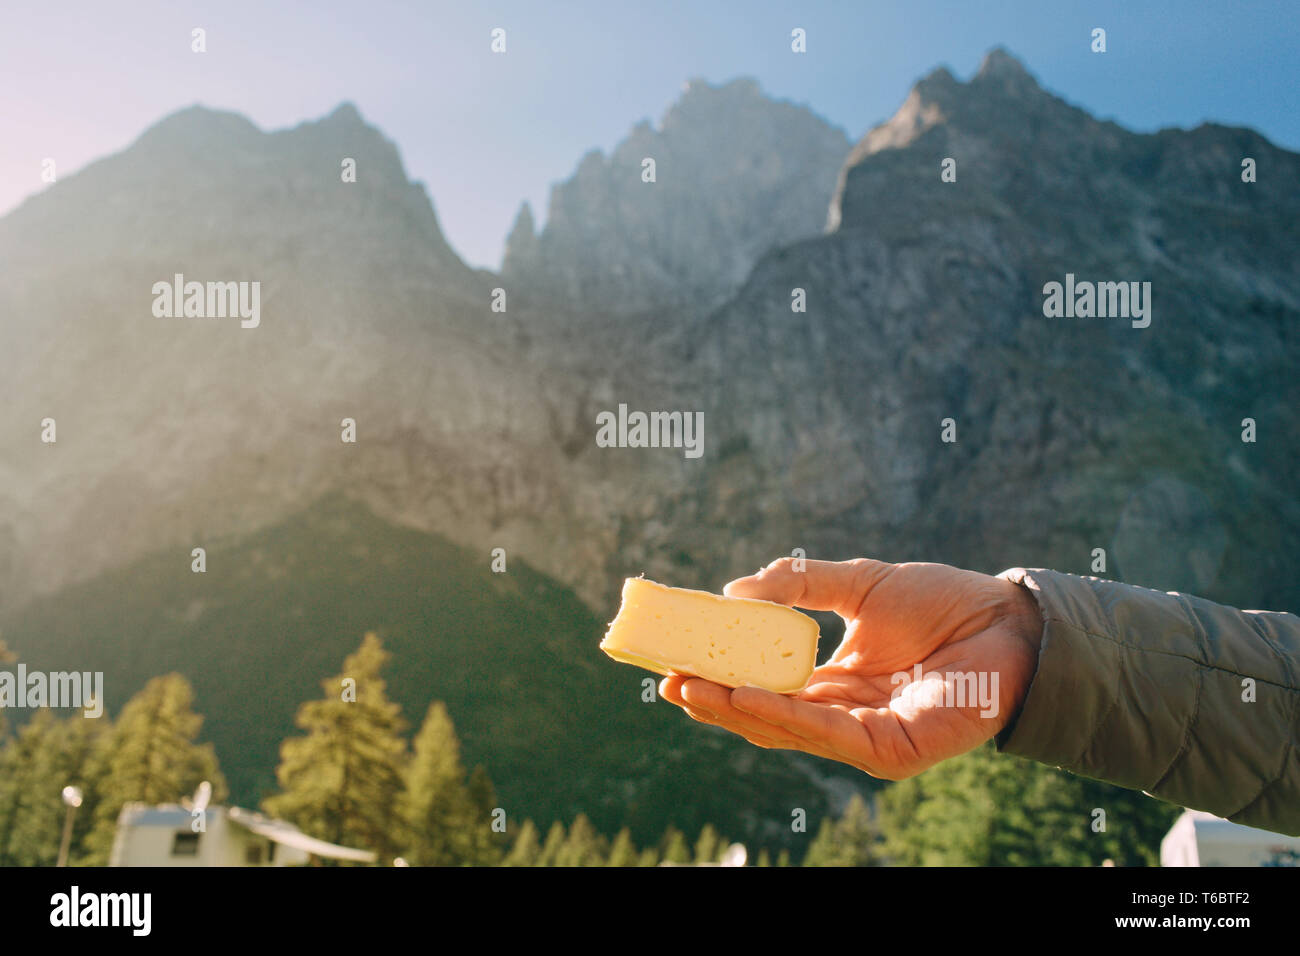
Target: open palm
858 708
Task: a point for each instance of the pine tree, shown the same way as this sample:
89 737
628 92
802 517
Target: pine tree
623 851
527 849
551 848
436 805
64 757
783 858
488 844
19 792
342 782
649 857
675 847
764 858
150 757
823 851
583 846
990 809
709 845
850 841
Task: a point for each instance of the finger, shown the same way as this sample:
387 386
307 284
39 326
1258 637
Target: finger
820 725
670 689
758 740
755 730
714 701
838 586
703 716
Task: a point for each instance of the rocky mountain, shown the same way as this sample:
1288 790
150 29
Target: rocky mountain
735 174
926 303
171 430
924 317
923 303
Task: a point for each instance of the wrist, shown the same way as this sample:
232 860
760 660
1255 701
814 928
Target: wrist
1024 617
1022 621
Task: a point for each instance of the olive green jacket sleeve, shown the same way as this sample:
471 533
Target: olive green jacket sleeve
1190 701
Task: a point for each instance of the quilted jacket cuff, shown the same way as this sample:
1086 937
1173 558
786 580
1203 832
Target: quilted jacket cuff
1191 701
1065 699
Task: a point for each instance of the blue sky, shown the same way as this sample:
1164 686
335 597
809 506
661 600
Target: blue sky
483 132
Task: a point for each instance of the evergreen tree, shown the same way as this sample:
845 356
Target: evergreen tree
436 806
63 757
649 857
19 791
527 849
783 858
764 858
583 846
488 844
675 848
823 850
343 781
623 851
150 757
551 848
850 841
990 809
709 846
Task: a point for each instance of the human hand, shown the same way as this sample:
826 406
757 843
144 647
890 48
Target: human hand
948 620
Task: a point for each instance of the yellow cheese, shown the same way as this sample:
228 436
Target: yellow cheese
730 641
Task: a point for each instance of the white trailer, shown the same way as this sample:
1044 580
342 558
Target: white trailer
172 835
1202 839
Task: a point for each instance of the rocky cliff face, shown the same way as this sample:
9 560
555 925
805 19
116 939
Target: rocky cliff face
735 174
926 303
174 431
822 427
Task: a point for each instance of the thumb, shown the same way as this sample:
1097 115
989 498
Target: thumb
837 586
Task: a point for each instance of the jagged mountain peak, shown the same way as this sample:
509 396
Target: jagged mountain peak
1001 111
699 90
939 97
198 125
521 243
735 173
211 135
345 113
1014 142
1001 63
205 184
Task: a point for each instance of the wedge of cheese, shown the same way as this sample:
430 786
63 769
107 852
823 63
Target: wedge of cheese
730 641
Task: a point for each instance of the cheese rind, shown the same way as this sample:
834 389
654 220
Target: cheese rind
730 641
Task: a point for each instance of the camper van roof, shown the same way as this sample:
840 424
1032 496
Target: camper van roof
175 816
168 815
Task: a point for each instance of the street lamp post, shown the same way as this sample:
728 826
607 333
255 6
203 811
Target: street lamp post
72 797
